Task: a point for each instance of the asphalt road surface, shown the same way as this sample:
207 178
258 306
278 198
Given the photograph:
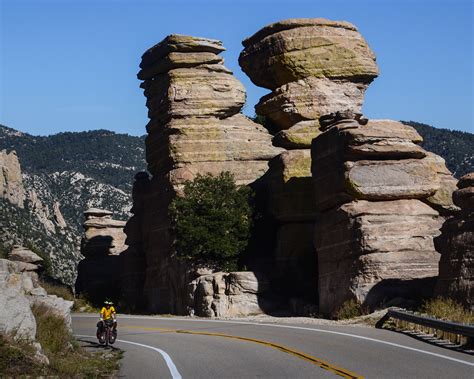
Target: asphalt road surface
173 347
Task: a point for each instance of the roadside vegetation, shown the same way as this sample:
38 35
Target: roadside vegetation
350 309
67 359
212 221
447 309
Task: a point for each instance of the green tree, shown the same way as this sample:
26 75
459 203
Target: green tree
212 221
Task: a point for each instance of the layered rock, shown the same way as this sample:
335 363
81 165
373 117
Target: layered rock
11 183
195 127
313 67
99 274
229 294
456 245
377 191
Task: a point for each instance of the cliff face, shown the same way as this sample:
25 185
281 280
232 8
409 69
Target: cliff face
195 126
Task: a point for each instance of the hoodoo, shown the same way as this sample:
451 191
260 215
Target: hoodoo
194 105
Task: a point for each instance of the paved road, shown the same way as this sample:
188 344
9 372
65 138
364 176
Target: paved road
171 347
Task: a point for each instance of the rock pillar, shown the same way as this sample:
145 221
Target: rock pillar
99 273
195 126
312 67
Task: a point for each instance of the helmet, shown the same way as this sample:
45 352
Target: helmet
108 302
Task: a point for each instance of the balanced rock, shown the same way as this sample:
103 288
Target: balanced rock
456 245
294 49
313 67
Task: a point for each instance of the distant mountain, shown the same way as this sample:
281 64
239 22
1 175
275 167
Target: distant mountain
456 147
63 175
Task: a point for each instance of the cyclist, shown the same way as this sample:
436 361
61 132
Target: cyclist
107 313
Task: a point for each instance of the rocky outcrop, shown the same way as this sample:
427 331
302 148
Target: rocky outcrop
231 294
99 274
376 191
456 245
11 183
195 127
20 290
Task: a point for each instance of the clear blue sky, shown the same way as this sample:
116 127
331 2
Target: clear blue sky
70 65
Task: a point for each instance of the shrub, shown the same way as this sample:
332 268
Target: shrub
212 221
447 309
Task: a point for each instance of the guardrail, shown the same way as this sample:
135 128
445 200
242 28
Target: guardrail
442 329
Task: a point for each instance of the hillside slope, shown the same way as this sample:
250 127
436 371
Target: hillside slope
456 147
67 173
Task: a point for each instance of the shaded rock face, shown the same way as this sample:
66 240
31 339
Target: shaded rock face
229 294
456 245
11 183
313 67
195 127
133 259
99 274
376 191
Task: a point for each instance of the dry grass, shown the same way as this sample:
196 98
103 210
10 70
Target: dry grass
349 309
58 290
447 309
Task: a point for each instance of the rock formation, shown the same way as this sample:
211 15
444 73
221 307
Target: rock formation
313 67
195 127
99 274
376 191
20 290
456 245
11 183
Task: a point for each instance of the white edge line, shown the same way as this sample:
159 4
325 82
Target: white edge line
169 362
300 328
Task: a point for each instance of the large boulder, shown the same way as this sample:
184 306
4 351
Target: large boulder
228 294
294 49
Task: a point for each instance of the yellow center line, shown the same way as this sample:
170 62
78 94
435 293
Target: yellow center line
318 362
